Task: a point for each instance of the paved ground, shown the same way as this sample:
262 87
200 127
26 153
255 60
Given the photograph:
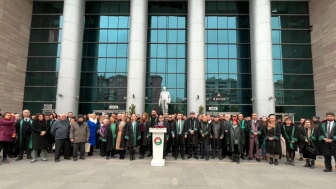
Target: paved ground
96 172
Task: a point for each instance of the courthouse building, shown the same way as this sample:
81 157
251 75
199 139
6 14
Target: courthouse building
228 56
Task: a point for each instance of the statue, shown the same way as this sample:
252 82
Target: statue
164 100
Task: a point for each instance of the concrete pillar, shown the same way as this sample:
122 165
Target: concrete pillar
196 55
263 98
137 60
68 84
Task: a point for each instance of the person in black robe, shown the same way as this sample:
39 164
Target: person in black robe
216 136
192 124
236 141
327 137
291 134
145 134
23 134
169 124
244 125
272 134
153 120
204 129
179 134
165 124
309 144
226 126
110 137
132 135
40 129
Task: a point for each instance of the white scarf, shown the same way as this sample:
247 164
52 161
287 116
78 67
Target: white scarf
93 120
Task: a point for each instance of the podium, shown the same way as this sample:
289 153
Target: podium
158 140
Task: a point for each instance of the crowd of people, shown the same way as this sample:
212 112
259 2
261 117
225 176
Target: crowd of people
201 137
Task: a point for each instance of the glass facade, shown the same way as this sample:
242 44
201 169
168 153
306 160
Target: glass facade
228 64
227 50
292 59
167 54
105 56
43 55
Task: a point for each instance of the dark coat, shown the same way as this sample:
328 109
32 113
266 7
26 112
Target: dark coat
145 136
204 128
192 124
132 136
327 149
40 142
313 140
272 146
236 133
110 136
221 133
179 140
292 136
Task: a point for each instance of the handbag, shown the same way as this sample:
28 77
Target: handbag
236 141
87 147
310 148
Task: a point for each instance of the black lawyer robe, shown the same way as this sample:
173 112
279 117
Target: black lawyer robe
292 135
272 146
313 140
144 140
132 136
204 128
192 124
111 137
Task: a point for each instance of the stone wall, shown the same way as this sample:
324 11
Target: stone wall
15 21
323 37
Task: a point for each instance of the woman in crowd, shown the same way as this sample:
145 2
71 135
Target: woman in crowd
40 141
132 135
236 140
272 140
55 117
291 134
6 132
309 144
93 126
144 129
264 124
110 136
301 126
120 143
101 131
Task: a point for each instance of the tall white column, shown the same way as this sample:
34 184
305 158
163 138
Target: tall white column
136 79
261 57
196 55
71 57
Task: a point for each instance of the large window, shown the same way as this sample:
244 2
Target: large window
43 55
228 64
167 55
292 59
105 56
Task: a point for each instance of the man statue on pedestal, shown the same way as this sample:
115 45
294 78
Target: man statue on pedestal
164 100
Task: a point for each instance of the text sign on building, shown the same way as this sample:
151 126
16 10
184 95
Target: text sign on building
113 107
213 108
218 97
47 106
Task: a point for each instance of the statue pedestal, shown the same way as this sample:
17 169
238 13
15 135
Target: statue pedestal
158 141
